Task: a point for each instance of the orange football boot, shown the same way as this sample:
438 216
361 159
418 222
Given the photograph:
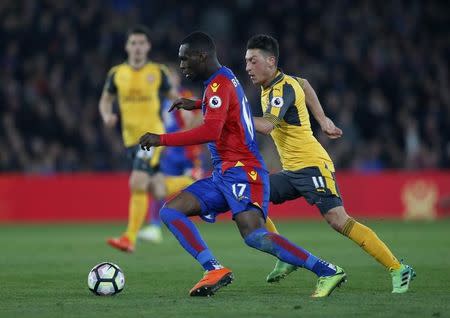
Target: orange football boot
122 243
211 282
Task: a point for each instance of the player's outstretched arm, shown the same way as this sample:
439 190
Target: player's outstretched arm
313 104
210 131
105 107
187 104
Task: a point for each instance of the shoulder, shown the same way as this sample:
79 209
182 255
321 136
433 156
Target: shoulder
163 68
290 81
219 84
285 92
289 84
115 69
156 67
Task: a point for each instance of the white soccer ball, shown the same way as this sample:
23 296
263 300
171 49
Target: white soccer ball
106 279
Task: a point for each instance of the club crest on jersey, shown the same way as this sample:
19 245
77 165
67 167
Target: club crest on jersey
150 78
277 102
215 102
215 87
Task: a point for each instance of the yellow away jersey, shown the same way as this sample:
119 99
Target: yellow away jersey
139 95
283 103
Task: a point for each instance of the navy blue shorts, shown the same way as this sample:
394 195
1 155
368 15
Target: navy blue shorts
318 186
238 189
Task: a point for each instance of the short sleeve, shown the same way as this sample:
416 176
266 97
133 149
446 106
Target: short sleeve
165 86
301 81
110 84
217 99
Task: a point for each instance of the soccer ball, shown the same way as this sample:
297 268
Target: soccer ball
106 279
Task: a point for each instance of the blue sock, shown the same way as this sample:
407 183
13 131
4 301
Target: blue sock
153 215
189 237
288 252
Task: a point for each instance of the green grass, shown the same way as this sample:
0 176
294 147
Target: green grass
43 273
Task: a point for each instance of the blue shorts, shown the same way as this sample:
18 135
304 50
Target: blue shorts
174 161
238 189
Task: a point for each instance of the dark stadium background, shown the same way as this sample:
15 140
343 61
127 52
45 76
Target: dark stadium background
381 70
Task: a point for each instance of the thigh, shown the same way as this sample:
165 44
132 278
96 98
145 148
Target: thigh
245 189
317 186
186 203
139 180
210 197
157 186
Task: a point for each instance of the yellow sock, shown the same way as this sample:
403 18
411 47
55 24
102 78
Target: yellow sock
370 242
136 214
270 226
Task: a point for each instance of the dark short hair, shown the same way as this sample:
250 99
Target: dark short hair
139 29
265 43
200 41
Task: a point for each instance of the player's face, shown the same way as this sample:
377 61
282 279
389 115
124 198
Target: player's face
190 62
259 66
137 47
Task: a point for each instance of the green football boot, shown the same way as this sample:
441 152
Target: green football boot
280 271
326 284
401 278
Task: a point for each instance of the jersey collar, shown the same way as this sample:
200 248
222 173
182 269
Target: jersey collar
278 77
214 75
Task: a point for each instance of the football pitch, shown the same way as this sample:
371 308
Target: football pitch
44 268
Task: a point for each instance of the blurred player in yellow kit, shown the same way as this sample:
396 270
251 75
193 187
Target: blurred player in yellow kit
181 166
139 86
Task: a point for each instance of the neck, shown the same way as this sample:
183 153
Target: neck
137 64
211 68
269 80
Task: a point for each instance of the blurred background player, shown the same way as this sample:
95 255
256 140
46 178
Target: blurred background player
139 86
308 171
180 165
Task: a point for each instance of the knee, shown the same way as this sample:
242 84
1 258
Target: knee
157 188
137 183
337 218
165 214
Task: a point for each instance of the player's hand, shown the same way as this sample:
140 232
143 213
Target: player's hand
149 140
330 129
110 120
183 103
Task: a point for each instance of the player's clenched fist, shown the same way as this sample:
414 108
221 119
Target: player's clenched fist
149 140
183 103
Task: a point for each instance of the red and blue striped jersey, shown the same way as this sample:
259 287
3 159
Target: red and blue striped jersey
224 99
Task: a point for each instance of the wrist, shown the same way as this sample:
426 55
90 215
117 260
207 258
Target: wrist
322 121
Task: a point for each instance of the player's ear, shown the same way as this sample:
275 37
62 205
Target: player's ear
202 56
272 60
